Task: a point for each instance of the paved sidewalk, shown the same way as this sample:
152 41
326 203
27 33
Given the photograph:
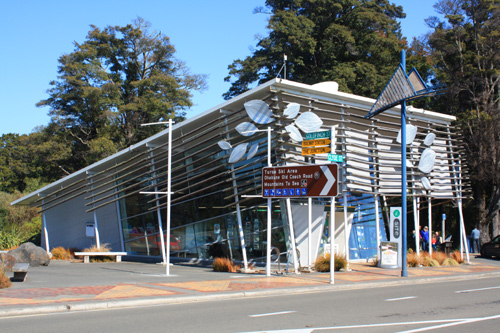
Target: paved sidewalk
64 286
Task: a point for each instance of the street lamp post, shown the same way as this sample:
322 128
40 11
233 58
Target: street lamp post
166 244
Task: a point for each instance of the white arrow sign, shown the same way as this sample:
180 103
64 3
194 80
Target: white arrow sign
330 180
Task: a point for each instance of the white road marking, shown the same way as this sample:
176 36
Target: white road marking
480 289
400 298
446 323
271 314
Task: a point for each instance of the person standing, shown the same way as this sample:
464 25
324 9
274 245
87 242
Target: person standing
425 239
475 240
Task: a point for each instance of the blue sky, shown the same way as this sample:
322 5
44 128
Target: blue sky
208 36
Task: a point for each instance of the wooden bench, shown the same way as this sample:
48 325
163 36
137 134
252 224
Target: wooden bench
20 271
87 255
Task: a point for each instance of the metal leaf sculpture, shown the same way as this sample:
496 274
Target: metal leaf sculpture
426 183
224 145
294 133
427 160
259 111
411 133
292 110
429 139
238 153
246 129
309 122
253 150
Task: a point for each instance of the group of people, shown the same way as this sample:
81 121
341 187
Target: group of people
436 240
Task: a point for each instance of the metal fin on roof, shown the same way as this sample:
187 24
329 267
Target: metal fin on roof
401 87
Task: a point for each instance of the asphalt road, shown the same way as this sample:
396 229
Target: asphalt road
463 306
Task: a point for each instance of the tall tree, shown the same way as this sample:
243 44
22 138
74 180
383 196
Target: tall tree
465 47
116 80
353 42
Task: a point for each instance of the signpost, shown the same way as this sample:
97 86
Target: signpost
318 142
318 135
318 150
335 158
300 181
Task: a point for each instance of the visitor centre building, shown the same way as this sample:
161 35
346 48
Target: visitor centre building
207 182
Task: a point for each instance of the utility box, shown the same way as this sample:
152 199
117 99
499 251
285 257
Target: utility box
90 229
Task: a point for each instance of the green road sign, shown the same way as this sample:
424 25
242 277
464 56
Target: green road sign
335 158
318 135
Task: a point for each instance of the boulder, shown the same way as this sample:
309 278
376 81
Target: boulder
7 261
32 254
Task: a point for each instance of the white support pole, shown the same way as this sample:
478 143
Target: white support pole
269 208
169 197
377 221
309 232
416 222
430 226
292 236
96 228
463 236
331 232
158 214
45 232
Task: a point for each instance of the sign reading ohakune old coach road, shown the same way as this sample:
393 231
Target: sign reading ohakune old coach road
300 181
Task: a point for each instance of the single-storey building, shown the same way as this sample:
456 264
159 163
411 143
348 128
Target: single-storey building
217 159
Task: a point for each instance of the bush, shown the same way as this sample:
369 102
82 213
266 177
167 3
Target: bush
60 253
450 262
102 248
440 257
224 265
322 263
456 255
413 260
428 261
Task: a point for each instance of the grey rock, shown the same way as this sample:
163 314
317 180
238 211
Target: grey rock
32 254
7 261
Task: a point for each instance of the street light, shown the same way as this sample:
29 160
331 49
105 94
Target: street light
166 245
269 206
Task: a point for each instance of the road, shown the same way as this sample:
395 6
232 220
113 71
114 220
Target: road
459 306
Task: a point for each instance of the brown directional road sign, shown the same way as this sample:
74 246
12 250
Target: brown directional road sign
300 181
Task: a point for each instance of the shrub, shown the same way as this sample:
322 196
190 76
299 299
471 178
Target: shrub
428 261
224 265
456 255
450 262
102 248
60 253
413 260
322 263
440 257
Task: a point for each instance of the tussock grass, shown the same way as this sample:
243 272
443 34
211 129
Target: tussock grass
224 265
322 263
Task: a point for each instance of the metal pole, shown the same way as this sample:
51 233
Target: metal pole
158 214
309 232
45 232
404 271
169 197
292 236
430 227
332 241
269 207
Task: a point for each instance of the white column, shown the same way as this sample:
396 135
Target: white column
430 226
331 232
292 236
269 208
309 231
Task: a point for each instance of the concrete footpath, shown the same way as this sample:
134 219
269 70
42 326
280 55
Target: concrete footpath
64 286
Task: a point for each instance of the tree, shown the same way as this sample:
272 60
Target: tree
116 80
353 42
466 54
